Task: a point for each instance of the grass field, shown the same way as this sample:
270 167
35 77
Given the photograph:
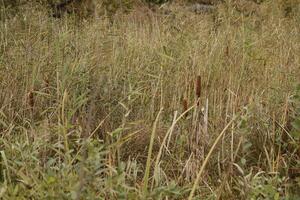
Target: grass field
143 105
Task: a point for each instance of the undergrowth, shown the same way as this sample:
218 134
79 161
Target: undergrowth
150 106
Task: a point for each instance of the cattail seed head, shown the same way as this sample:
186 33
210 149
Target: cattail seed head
227 51
198 89
185 105
31 100
198 86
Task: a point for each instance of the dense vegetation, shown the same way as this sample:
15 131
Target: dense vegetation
139 103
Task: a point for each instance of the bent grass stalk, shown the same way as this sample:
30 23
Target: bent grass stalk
169 132
148 163
199 175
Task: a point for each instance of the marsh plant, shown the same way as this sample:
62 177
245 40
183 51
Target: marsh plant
140 105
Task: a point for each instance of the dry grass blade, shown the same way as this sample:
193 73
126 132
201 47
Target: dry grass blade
80 98
199 174
149 157
168 137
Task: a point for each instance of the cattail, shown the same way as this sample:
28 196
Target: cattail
185 106
31 100
227 51
198 88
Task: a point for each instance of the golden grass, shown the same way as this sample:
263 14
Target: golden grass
79 100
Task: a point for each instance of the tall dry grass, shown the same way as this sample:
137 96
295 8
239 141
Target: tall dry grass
150 106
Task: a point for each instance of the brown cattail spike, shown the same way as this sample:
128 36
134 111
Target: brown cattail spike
198 88
31 100
185 106
227 51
